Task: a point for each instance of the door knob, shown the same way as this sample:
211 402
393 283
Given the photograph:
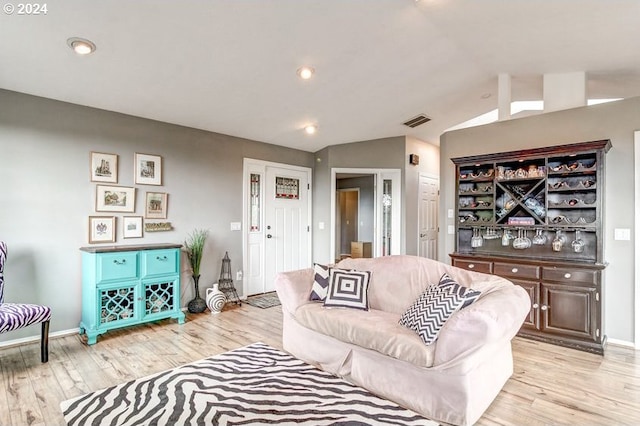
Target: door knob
269 236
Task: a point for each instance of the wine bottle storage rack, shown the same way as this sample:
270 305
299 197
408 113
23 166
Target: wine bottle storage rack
543 191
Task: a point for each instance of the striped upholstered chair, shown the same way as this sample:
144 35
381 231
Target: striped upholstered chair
18 315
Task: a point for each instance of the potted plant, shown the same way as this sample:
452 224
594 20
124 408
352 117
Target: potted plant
195 247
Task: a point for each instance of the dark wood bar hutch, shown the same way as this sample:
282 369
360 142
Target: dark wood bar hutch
535 217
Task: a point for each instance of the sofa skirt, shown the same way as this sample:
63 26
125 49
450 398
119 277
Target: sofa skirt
440 394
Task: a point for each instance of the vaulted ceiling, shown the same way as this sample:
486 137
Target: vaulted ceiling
229 66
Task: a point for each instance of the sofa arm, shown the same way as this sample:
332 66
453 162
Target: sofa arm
294 288
495 318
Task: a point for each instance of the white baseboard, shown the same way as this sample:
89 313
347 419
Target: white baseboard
623 343
36 338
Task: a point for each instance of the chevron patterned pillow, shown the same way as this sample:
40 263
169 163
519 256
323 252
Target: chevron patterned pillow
348 289
320 282
431 310
469 294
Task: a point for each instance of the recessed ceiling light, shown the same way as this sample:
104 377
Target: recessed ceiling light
305 73
310 129
81 46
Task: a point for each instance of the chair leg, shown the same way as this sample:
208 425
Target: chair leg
44 342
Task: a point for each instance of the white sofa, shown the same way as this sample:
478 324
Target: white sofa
453 380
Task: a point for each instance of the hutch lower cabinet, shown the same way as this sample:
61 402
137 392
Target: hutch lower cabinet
129 285
535 217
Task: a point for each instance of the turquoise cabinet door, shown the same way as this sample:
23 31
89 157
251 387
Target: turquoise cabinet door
160 262
117 266
118 305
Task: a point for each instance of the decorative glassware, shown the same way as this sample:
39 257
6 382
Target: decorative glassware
476 240
558 241
506 237
578 244
539 239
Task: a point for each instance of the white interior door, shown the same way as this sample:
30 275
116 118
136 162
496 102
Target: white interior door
428 217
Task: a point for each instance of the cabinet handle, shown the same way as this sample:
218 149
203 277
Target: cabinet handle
122 262
544 307
535 306
471 266
567 275
161 258
514 270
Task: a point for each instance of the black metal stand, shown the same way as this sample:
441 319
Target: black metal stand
225 283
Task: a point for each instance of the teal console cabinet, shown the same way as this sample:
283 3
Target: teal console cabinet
129 285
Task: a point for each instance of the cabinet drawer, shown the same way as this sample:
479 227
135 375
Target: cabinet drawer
159 262
514 270
117 266
473 265
570 275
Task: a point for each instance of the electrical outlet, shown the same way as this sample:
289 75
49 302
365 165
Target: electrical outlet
239 276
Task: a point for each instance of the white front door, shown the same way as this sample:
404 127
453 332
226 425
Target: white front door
286 221
277 222
428 217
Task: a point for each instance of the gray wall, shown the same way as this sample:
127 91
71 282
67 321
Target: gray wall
615 121
47 195
429 165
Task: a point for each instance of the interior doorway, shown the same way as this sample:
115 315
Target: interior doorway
348 221
378 224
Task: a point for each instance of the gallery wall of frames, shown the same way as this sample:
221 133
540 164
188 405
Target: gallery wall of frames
116 214
536 218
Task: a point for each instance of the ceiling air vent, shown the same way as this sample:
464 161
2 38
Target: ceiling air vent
416 121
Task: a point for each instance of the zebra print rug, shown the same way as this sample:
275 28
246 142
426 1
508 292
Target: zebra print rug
253 385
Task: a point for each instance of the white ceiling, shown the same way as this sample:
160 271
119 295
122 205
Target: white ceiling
229 66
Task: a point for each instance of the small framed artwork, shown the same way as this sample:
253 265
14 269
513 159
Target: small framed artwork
148 169
115 198
132 227
102 229
156 205
104 167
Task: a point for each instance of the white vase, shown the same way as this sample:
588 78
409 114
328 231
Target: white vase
215 299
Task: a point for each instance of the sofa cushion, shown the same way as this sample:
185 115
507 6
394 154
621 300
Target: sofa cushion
375 330
432 309
348 289
469 294
320 282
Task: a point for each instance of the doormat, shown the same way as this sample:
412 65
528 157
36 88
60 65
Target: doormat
267 300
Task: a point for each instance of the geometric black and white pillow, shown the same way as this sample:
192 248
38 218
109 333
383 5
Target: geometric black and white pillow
428 314
470 295
348 289
320 282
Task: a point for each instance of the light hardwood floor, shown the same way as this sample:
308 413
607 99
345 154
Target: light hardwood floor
551 385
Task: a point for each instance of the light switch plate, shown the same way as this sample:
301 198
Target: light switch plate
450 213
320 225
236 226
622 234
451 229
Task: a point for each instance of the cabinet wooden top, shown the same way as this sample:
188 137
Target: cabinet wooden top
529 261
604 145
112 249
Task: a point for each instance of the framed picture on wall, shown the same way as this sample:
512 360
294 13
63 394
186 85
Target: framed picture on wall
156 205
132 227
148 169
115 198
102 229
103 167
